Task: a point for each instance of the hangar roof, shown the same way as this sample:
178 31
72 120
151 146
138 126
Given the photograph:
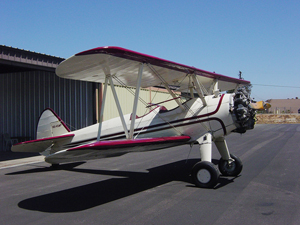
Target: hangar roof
20 60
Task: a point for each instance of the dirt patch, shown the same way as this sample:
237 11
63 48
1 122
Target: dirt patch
278 118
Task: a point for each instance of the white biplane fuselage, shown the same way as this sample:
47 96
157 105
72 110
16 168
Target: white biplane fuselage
217 117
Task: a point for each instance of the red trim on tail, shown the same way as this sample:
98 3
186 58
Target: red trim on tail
57 116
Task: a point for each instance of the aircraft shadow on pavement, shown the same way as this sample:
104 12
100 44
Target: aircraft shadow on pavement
127 183
40 169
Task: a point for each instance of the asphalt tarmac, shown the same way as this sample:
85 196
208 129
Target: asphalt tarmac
155 187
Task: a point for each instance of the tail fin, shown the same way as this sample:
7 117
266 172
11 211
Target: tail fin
50 125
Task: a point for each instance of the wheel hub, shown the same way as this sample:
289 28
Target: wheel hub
230 166
204 176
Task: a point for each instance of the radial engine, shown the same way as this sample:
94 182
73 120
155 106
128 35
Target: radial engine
244 115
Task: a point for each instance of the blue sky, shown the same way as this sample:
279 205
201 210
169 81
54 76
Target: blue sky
261 38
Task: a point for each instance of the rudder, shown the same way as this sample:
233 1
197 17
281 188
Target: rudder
50 125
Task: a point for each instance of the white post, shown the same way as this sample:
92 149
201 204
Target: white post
118 106
136 98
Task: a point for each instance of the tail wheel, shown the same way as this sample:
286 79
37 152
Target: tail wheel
205 174
232 169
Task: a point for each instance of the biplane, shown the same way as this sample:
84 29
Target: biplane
205 113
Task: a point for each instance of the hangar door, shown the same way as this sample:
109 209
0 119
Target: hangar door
24 95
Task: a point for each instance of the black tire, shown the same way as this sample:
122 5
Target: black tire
234 169
205 175
54 166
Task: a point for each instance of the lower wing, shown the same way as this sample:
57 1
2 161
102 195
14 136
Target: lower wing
103 149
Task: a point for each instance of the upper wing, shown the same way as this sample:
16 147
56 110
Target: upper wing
94 64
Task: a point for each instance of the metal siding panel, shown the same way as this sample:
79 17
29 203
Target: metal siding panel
81 106
163 96
25 95
53 89
14 121
126 102
145 95
91 103
3 94
28 92
76 121
125 99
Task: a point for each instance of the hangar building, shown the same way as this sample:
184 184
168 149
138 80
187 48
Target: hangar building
28 85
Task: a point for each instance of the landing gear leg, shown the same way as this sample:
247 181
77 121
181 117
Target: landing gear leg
229 164
204 173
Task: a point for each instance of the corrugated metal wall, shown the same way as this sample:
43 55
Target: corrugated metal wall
24 95
126 101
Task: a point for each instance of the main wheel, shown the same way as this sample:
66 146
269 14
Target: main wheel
54 166
205 174
232 169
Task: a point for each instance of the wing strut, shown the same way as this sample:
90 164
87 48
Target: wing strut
198 89
191 87
118 106
136 98
216 90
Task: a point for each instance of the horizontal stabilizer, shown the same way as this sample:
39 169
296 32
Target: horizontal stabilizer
39 145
